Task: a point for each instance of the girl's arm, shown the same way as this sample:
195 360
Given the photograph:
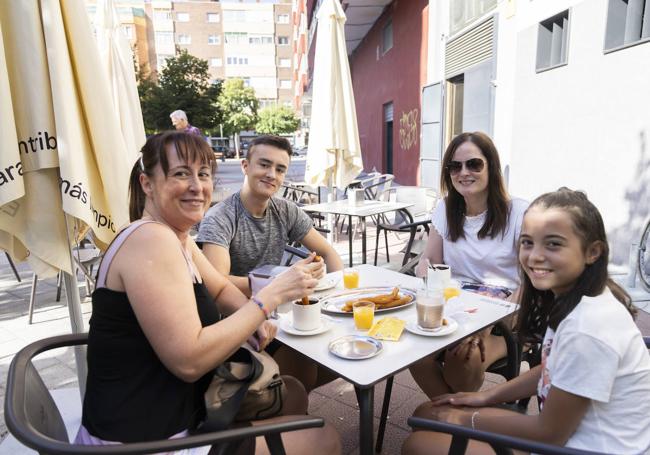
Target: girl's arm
523 386
432 252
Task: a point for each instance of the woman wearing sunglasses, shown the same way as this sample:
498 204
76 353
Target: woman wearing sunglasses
476 227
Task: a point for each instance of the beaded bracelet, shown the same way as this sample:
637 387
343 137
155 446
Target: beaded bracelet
257 302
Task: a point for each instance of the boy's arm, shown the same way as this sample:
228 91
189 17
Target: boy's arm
219 257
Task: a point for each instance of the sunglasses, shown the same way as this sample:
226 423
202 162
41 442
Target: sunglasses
472 165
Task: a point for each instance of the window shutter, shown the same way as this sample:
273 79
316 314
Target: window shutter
470 48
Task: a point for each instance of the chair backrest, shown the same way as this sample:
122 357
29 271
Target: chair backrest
375 187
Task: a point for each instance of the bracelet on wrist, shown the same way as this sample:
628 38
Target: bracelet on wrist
473 420
259 303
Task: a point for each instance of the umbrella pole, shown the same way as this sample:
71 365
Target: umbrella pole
76 324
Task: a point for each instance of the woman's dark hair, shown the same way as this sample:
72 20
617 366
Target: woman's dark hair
189 147
496 221
541 308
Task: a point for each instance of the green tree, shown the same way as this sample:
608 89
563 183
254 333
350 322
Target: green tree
184 84
238 106
277 120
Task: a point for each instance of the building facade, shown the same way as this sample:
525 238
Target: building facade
253 41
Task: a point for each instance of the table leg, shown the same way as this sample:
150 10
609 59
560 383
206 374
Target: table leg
365 397
363 237
350 236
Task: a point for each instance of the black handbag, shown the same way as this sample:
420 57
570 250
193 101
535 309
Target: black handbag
248 386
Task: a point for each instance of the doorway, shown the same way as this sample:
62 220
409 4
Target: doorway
388 138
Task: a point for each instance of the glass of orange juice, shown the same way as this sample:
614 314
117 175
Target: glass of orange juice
350 278
364 314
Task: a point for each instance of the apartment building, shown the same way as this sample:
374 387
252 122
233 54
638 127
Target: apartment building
301 77
243 39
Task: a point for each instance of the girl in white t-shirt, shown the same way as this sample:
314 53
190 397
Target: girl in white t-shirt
594 381
475 232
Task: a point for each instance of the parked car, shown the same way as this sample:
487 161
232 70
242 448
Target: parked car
223 151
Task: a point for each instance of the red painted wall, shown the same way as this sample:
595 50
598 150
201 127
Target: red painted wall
396 76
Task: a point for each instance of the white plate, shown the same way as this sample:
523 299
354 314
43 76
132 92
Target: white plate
326 283
334 302
413 327
286 324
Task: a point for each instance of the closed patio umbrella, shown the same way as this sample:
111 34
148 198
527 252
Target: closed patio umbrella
334 153
64 160
117 57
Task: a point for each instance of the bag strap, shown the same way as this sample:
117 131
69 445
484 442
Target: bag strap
220 419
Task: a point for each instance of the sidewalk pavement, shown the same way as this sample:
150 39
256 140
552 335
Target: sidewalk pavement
336 402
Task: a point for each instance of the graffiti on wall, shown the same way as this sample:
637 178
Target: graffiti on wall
408 129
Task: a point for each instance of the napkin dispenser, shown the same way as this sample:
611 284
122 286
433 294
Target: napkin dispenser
262 276
355 197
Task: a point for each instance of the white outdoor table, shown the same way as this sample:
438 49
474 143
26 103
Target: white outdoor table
396 355
362 210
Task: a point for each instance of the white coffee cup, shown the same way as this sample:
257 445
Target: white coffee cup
306 317
438 276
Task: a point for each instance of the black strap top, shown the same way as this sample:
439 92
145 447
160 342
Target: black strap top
130 394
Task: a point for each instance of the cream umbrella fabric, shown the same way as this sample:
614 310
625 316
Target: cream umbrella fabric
67 169
334 153
69 147
117 57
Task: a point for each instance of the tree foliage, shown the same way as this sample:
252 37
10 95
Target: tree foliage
277 120
238 105
183 84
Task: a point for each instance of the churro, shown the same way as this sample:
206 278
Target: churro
381 301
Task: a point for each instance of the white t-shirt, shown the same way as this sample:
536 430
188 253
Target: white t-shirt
597 352
488 260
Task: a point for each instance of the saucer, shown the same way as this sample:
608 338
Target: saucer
326 283
286 324
413 327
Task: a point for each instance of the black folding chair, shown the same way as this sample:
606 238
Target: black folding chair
34 419
501 444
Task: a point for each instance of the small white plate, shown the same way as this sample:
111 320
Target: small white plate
413 327
286 324
326 283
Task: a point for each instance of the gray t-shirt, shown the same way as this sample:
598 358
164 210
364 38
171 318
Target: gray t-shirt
253 242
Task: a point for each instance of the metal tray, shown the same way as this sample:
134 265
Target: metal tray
334 302
355 347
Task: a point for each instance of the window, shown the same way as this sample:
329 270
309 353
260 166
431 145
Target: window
164 38
283 40
213 17
162 15
464 12
283 18
285 63
552 41
266 102
260 39
247 81
236 38
216 61
161 60
214 39
128 31
183 17
285 83
237 60
184 39
387 37
234 15
628 23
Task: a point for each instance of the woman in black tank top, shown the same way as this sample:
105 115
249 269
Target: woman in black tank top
157 331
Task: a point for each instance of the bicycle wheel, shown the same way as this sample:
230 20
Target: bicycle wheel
644 257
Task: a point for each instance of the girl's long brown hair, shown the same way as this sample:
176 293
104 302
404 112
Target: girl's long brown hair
540 309
496 221
190 148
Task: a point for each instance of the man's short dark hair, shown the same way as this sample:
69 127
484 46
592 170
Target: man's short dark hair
269 139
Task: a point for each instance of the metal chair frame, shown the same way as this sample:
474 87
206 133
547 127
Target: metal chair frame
33 418
501 444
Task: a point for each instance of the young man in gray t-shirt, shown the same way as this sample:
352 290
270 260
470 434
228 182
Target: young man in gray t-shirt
251 227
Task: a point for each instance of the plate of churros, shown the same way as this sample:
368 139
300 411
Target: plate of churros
385 299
